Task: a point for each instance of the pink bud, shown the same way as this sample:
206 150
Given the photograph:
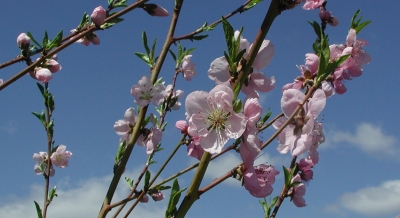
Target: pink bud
98 16
1 81
160 12
333 21
53 65
84 41
23 40
95 40
43 75
144 199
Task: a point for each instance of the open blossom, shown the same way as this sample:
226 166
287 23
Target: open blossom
298 137
259 180
257 81
176 96
60 156
145 92
123 127
250 146
298 192
211 117
23 41
313 4
40 166
150 137
98 16
188 68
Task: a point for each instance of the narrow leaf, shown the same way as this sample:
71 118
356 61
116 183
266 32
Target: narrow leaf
38 210
144 39
33 40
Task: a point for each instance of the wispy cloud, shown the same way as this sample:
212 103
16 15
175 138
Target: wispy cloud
369 138
372 201
10 127
83 200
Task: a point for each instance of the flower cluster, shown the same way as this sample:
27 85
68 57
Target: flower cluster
44 72
58 158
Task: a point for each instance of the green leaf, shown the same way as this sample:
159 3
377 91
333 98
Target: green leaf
41 88
38 210
33 40
174 199
355 24
40 117
317 28
144 40
264 205
287 176
110 2
56 41
252 4
237 106
52 194
147 179
45 39
84 20
120 151
144 57
189 51
209 28
265 118
121 3
173 55
240 55
129 181
111 23
229 36
200 37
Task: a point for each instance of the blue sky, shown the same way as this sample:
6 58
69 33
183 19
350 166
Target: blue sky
357 175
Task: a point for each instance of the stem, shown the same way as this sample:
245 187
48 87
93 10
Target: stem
68 43
273 12
49 150
150 183
121 167
190 35
282 196
192 194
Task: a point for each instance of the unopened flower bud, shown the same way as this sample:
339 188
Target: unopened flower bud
333 21
53 66
155 10
43 75
23 41
98 16
95 40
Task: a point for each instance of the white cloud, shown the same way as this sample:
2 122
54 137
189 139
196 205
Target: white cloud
10 127
84 200
370 139
371 201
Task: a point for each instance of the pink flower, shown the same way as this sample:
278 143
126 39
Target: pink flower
313 4
145 92
176 96
211 117
98 16
194 148
1 81
219 69
188 68
298 137
41 163
84 41
259 180
182 125
60 156
298 192
305 168
150 138
23 41
122 127
43 75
